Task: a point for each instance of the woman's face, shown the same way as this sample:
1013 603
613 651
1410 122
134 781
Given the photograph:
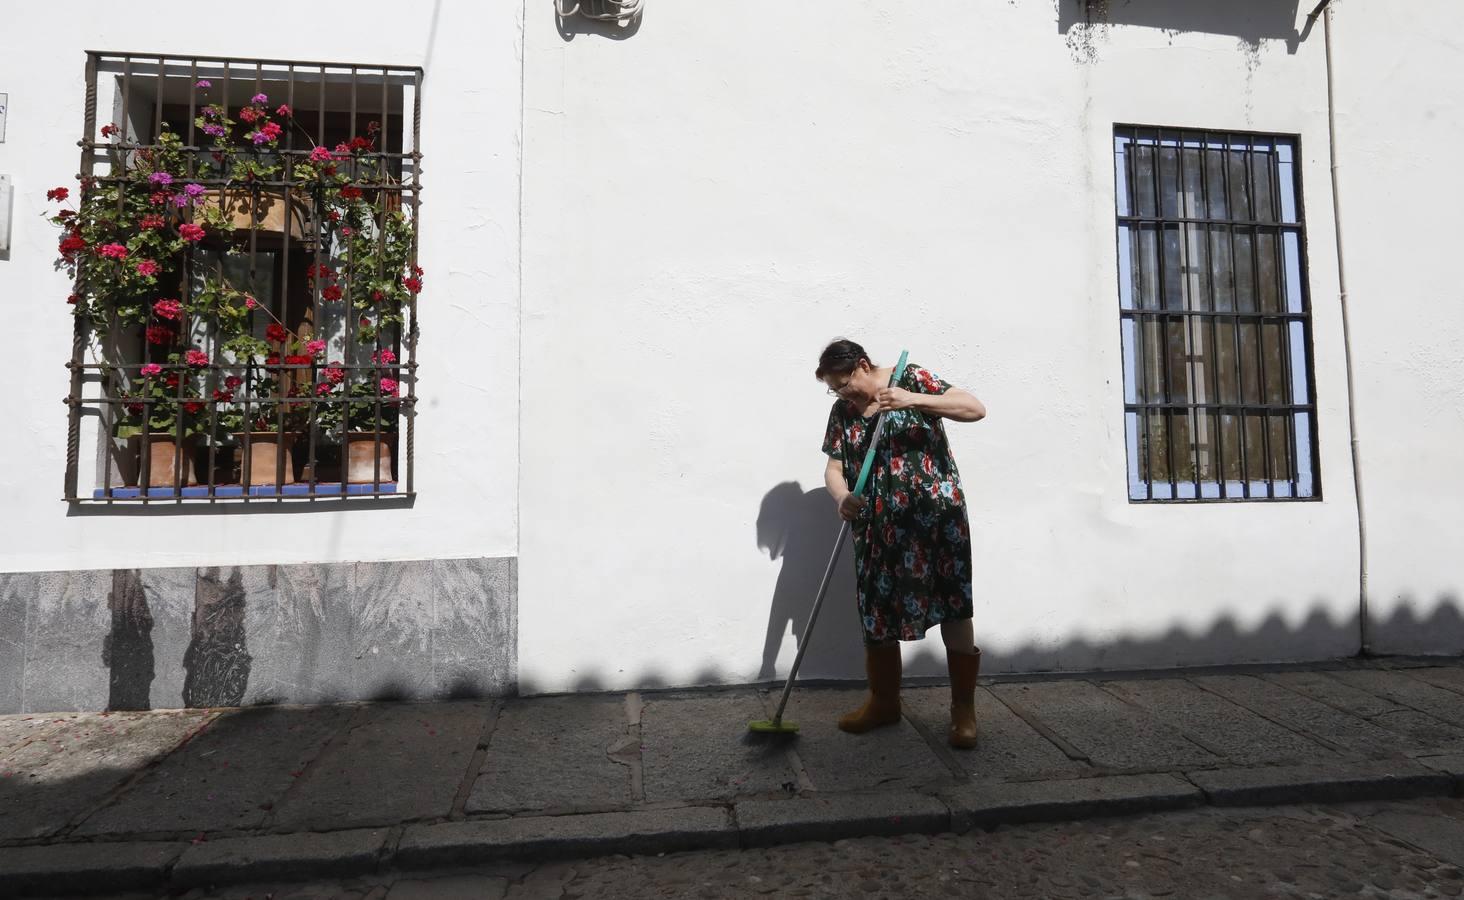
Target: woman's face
858 387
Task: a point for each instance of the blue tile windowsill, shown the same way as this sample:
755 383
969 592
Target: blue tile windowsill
228 491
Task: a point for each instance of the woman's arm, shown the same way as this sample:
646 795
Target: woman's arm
834 480
955 403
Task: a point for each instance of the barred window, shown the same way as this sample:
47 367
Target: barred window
243 247
1219 394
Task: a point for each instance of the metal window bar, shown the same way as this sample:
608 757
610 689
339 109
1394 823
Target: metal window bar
1261 423
198 394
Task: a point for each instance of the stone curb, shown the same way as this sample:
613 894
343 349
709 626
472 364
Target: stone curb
280 856
762 823
986 805
85 868
1322 783
114 866
549 837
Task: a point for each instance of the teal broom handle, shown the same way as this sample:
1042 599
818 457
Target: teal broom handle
879 427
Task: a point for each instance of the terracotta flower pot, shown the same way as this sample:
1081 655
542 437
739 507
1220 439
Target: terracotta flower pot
260 457
363 449
162 462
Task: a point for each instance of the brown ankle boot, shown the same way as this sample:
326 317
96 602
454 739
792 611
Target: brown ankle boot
964 668
882 706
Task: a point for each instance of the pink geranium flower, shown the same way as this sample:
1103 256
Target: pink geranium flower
148 268
167 309
315 348
196 358
190 232
113 251
151 369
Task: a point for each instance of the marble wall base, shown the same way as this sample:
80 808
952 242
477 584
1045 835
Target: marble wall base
245 635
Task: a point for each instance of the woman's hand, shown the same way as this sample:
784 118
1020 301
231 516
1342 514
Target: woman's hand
892 398
851 506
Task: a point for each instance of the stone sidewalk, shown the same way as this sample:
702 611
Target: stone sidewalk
176 799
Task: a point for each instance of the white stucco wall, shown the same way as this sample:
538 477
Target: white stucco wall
1400 102
467 433
704 202
718 195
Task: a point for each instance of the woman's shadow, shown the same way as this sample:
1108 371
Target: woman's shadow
799 528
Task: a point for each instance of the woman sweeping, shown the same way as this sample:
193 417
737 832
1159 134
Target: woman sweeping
912 541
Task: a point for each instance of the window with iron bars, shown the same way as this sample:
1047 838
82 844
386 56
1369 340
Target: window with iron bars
1219 394
244 255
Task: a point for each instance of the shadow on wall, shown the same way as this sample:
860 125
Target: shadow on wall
1251 21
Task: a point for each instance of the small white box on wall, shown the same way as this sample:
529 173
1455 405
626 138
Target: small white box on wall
6 191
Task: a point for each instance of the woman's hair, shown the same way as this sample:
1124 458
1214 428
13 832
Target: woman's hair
840 358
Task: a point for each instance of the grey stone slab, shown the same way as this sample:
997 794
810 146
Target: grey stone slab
169 595
67 629
1007 747
1354 734
1333 782
1413 730
697 747
74 768
1112 733
1404 690
475 635
16 593
275 637
401 762
1441 836
524 838
1451 763
229 777
891 757
985 805
81 868
837 816
395 612
313 633
18 730
553 753
1219 725
1450 678
280 857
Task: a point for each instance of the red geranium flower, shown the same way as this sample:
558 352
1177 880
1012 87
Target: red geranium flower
191 232
72 243
159 335
412 284
277 333
193 406
109 129
151 222
59 193
331 292
350 192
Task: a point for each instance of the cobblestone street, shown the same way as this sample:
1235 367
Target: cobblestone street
1395 850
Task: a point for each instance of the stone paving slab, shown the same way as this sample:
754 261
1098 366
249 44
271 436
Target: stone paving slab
1321 783
16 730
1444 705
1447 677
1413 730
398 763
546 837
1352 734
229 776
1112 733
836 816
1231 731
697 747
280 856
986 805
895 756
1007 748
554 753
1439 835
73 767
83 868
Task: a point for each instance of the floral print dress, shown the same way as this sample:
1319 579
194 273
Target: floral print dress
912 543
